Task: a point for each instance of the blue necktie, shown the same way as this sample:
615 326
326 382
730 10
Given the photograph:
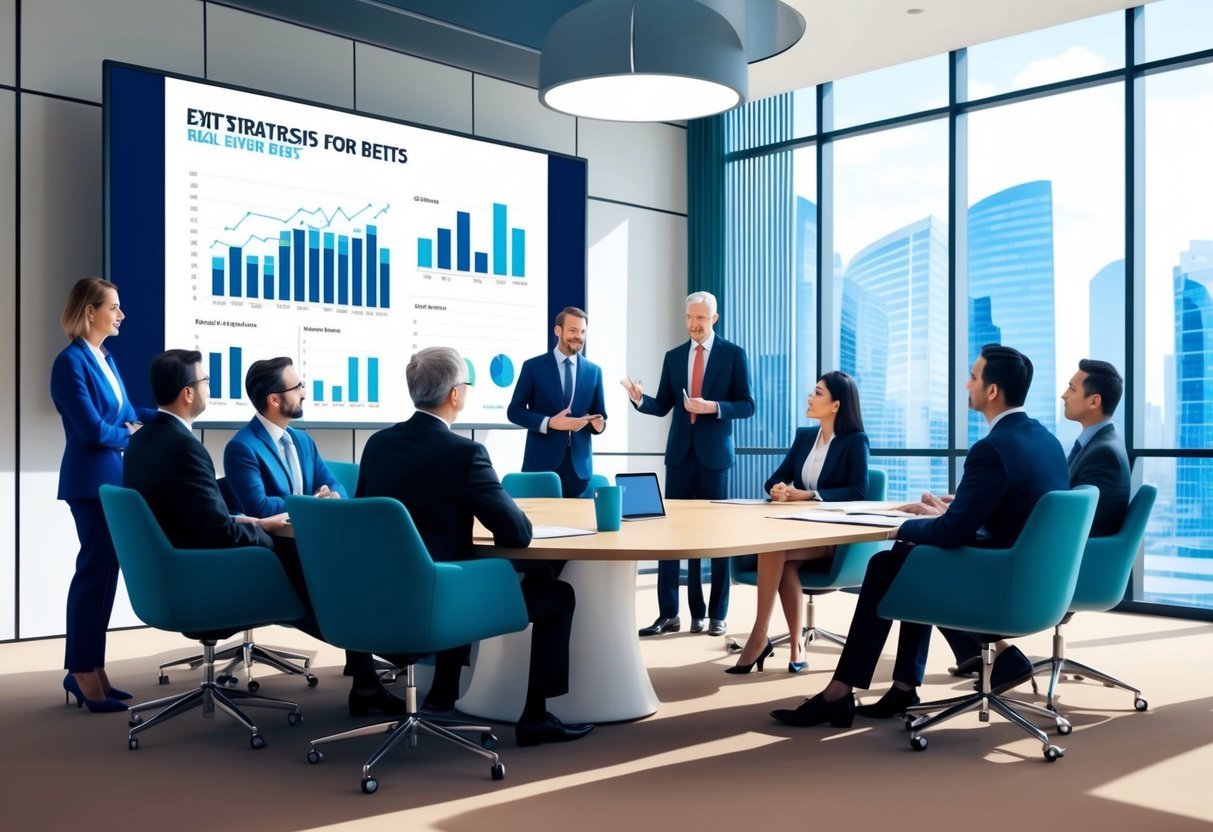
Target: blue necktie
568 382
292 463
1074 451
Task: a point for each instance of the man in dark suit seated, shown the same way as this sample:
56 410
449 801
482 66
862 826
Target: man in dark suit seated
1097 458
1005 475
445 481
173 471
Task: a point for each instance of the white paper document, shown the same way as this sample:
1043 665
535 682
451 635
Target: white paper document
743 501
883 519
547 532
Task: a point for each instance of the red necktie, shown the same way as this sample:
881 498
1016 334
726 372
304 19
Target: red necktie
697 376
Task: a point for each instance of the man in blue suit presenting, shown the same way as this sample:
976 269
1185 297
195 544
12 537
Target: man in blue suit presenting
706 382
551 388
267 460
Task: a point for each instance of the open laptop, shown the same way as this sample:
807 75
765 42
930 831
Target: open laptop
641 496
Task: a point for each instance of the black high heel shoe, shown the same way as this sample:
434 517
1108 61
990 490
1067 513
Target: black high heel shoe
98 706
746 668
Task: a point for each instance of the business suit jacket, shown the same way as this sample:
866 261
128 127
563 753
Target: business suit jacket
444 480
1005 475
1104 464
844 472
174 473
258 475
539 394
726 381
94 424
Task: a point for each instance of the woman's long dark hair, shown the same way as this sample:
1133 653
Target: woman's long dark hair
844 391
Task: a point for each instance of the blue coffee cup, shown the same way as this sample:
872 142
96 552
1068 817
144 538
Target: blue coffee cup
608 507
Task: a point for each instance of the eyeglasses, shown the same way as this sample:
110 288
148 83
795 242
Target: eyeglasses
198 381
298 386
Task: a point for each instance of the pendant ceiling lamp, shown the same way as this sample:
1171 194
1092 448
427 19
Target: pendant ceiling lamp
659 60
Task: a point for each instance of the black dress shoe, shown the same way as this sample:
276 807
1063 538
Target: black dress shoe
893 703
550 730
380 701
1011 669
438 705
969 667
662 625
840 713
697 625
716 627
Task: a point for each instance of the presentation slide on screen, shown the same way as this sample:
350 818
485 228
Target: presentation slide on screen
347 243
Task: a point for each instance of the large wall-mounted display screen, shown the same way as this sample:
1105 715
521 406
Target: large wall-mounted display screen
248 226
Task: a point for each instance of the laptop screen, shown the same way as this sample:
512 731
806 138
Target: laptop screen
641 496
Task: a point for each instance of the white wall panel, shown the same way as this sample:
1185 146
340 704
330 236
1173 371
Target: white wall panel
64 41
265 54
636 287
644 164
215 440
8 44
337 445
8 410
512 113
413 89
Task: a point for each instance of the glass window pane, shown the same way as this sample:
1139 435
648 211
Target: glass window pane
892 91
910 476
1072 50
1179 537
804 112
1046 239
762 122
891 281
1176 27
751 471
1179 260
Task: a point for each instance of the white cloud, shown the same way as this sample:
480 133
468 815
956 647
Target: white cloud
1074 62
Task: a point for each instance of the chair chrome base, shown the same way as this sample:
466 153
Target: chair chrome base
809 634
244 654
1058 664
985 701
410 727
208 695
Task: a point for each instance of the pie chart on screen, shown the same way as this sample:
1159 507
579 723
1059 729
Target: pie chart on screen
471 370
501 369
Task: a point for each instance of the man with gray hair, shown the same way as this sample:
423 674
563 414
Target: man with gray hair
706 382
446 481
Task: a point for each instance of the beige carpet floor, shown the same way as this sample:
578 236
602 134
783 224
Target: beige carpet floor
710 759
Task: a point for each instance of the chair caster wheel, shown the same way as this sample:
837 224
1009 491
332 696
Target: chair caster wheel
314 756
488 741
134 720
909 723
257 742
918 743
312 681
133 743
1140 704
1064 727
163 679
497 772
294 718
223 680
732 646
1052 753
253 686
369 785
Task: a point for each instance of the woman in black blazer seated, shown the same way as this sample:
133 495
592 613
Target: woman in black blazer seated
828 462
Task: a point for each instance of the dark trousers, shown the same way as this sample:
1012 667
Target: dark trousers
571 485
869 631
90 597
549 608
688 480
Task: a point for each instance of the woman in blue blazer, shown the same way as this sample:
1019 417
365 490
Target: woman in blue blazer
828 462
98 420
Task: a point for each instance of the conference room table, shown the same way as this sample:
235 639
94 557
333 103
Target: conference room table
608 681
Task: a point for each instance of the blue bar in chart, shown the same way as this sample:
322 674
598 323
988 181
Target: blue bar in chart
253 276
343 270
217 264
336 392
284 265
425 253
444 248
236 372
518 250
267 274
357 299
313 266
463 241
329 277
317 391
353 376
499 250
372 380
372 260
482 263
385 267
235 270
353 389
300 262
216 375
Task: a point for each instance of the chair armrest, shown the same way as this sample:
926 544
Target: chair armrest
850 565
966 588
476 599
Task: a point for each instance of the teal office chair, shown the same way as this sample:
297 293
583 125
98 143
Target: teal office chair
1106 565
997 593
346 474
596 481
375 589
532 484
206 594
846 571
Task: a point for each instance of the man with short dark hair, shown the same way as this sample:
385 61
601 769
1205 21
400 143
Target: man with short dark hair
1098 456
552 388
446 481
1005 475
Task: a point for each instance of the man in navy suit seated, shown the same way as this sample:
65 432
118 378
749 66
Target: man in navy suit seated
1005 475
559 400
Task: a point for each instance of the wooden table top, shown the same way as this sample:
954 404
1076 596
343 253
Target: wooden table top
697 528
